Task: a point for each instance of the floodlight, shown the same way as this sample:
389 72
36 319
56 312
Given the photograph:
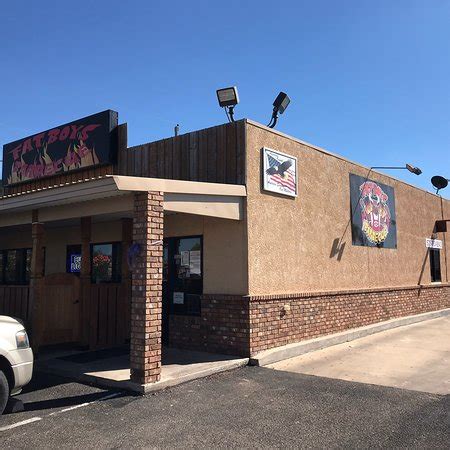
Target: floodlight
279 106
281 102
228 96
413 169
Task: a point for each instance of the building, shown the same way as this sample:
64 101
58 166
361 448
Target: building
232 239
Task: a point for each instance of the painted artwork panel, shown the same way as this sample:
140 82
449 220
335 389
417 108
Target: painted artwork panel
372 213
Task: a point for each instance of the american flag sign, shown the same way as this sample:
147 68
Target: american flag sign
280 172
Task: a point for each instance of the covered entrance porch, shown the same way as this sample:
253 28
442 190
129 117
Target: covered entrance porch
98 269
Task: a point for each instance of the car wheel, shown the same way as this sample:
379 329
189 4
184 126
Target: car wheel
4 391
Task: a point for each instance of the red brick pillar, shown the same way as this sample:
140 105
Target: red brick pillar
146 297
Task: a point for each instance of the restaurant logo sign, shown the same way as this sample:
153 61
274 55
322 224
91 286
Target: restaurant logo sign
279 172
83 143
373 213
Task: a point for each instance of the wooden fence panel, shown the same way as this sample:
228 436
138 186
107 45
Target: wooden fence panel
110 306
15 301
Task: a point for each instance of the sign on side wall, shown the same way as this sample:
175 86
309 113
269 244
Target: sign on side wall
85 142
372 213
433 243
279 172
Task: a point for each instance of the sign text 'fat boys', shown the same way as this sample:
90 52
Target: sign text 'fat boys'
82 143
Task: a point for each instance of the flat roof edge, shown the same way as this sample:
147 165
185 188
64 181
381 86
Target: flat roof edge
342 158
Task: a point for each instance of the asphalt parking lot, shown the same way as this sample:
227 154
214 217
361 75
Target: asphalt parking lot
247 407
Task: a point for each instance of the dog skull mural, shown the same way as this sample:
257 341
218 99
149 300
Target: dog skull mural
373 213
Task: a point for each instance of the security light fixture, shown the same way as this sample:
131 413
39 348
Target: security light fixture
279 106
439 182
413 169
228 98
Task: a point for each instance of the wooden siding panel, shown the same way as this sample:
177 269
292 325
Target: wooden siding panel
203 155
240 156
211 157
231 154
176 158
185 157
193 156
221 163
168 157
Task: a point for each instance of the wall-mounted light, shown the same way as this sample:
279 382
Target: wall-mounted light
279 106
413 169
228 98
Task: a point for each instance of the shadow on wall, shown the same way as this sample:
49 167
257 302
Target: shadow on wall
337 249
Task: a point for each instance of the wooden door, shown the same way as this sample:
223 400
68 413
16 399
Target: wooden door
60 309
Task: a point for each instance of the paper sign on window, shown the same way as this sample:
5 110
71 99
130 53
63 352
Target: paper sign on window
178 298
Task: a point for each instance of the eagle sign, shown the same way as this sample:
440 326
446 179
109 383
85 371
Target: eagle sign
280 173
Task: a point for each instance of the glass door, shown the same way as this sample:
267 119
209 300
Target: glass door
182 278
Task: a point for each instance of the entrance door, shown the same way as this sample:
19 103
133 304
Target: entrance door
182 279
60 309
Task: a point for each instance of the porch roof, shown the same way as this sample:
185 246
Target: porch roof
209 199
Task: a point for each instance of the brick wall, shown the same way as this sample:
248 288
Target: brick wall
146 297
283 319
222 326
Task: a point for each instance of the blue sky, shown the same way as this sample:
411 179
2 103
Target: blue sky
368 80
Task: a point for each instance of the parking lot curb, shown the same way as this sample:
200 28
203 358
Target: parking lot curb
299 348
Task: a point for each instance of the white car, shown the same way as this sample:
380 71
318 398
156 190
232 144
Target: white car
16 359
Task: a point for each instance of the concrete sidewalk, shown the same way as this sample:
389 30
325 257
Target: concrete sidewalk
178 366
415 357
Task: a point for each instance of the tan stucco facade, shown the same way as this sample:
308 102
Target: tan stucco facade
224 250
290 240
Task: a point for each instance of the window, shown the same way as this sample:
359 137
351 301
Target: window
15 266
73 259
435 265
105 262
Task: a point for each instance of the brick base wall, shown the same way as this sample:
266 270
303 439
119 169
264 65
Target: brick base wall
222 326
284 319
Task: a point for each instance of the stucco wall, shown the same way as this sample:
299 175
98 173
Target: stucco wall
290 240
224 250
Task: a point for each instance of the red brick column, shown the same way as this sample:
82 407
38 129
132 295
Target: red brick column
146 298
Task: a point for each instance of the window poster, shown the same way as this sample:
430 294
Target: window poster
185 258
75 263
195 262
279 172
372 213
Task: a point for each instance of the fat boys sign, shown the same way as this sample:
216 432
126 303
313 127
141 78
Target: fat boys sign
83 143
